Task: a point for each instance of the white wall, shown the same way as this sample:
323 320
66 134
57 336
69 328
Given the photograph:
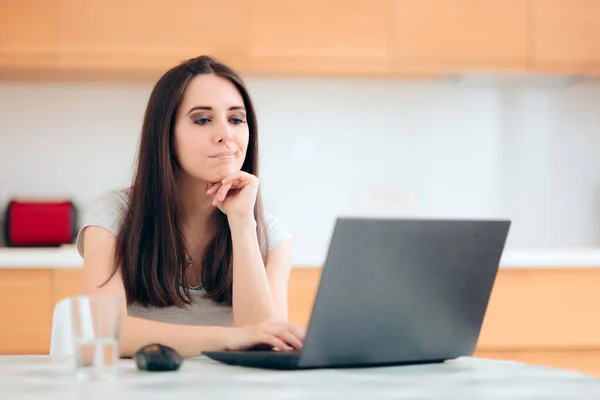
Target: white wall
524 149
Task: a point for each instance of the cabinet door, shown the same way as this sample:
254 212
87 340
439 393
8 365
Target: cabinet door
315 37
148 35
449 36
543 308
66 283
565 35
302 291
25 311
27 33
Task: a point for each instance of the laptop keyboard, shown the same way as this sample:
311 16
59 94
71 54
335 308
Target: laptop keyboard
272 353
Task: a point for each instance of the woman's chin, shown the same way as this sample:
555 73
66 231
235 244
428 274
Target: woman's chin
222 173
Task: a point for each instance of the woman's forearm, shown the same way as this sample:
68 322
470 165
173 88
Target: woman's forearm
189 341
252 298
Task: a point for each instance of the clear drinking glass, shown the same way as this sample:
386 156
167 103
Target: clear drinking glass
96 324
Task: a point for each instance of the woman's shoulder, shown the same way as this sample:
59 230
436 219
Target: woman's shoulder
277 230
108 206
106 211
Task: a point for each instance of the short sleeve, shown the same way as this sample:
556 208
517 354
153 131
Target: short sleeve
277 231
106 212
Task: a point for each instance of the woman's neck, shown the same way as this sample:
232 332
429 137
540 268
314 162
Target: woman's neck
198 212
200 223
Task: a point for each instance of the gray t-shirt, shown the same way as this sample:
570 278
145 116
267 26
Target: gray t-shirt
107 212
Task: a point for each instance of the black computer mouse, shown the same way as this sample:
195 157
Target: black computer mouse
157 357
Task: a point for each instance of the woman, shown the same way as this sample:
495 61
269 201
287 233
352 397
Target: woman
198 263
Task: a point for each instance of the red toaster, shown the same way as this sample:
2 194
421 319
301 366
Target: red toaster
40 223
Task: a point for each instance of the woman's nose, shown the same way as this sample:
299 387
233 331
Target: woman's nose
224 133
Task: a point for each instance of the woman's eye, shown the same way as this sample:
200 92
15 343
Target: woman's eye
236 121
201 121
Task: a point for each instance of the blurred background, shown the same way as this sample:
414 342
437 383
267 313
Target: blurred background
396 108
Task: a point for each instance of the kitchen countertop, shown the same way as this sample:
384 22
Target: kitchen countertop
45 377
66 257
43 257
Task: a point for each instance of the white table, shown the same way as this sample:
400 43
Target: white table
45 377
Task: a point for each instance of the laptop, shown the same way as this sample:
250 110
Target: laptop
394 292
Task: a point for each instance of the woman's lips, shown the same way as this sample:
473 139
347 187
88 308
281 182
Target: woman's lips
224 155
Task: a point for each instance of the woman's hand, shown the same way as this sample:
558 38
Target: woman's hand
281 335
236 194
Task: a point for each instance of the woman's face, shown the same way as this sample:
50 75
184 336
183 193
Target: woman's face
211 129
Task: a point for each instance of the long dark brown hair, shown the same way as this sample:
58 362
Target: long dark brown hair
151 249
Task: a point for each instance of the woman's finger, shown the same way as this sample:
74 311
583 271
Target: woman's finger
240 183
234 176
219 192
274 341
223 192
213 187
290 339
241 178
297 331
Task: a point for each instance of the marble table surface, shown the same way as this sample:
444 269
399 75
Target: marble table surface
46 377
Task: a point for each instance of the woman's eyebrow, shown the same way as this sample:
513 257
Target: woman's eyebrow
209 108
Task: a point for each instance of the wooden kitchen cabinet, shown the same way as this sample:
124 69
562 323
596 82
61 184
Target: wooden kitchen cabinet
148 36
543 316
302 291
27 300
543 309
25 310
319 37
141 39
565 36
454 36
65 283
27 33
